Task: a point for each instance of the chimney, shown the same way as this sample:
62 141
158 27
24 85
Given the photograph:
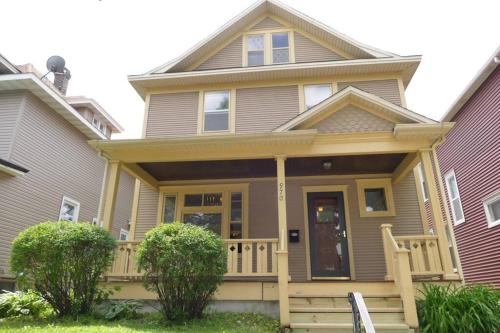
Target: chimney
61 80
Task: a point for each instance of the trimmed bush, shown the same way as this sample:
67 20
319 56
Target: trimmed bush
467 309
23 303
63 262
183 264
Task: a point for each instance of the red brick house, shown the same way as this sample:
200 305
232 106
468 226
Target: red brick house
470 167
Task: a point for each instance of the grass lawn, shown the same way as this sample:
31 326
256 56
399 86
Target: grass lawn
212 323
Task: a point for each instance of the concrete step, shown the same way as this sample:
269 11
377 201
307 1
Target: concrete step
345 317
345 328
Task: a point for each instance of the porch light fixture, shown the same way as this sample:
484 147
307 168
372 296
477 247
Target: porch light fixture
327 165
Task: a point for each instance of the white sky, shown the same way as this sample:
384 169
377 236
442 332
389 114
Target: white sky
103 41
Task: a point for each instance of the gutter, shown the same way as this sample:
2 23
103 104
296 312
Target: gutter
12 168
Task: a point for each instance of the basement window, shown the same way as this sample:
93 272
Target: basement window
375 197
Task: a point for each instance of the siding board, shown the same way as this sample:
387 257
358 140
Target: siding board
10 104
147 211
267 23
307 50
386 89
228 57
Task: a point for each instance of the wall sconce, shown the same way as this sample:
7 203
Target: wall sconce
327 165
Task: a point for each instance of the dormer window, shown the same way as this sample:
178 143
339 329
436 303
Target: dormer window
255 46
281 50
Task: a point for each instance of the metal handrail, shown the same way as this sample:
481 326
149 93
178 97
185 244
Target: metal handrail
360 313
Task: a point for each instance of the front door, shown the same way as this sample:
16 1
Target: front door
327 235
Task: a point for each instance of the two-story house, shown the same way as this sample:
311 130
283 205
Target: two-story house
470 168
47 169
295 144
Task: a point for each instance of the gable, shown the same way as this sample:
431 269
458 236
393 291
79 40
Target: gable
267 23
386 89
307 50
353 119
230 56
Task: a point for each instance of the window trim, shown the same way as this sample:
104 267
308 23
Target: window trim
386 184
73 202
423 184
486 202
123 232
225 209
268 47
447 176
231 112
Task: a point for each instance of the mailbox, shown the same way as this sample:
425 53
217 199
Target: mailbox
293 236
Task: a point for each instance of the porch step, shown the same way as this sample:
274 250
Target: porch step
346 328
341 301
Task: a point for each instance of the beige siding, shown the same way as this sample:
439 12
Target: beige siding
10 110
264 109
172 115
352 119
228 57
61 163
147 211
307 50
387 89
267 23
123 206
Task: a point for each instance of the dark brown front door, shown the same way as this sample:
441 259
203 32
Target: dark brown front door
327 235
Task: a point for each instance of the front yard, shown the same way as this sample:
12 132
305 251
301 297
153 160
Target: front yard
151 323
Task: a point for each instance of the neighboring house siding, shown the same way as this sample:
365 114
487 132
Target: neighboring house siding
267 23
60 163
386 89
10 105
352 119
229 56
147 211
263 221
472 150
171 115
263 109
307 50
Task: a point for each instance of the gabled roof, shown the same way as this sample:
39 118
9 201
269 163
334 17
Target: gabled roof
352 94
83 101
6 67
473 86
274 7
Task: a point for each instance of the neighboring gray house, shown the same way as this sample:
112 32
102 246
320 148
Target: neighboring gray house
47 169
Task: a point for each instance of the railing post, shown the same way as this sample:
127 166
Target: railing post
282 253
406 287
113 179
388 251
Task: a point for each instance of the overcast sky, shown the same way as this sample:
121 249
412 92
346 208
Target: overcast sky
104 41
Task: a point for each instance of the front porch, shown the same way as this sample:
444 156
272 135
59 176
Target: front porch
300 212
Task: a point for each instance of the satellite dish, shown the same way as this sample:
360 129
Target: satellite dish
56 64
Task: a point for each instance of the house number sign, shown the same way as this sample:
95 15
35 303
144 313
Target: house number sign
281 191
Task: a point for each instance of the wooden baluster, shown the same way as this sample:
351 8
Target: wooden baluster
433 255
274 261
417 257
232 258
261 258
246 258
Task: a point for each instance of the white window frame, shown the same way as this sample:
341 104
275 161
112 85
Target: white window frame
202 112
280 48
73 202
268 46
423 184
315 84
123 232
451 174
489 217
263 50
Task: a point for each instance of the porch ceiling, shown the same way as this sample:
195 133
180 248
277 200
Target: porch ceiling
255 168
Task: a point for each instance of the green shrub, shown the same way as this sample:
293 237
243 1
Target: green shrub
63 262
467 309
121 309
20 303
183 264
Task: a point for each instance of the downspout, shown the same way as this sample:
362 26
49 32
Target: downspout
449 225
103 188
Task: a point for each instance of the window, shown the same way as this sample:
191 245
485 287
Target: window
95 121
281 50
255 49
236 221
204 209
454 197
375 197
423 184
216 111
123 235
492 210
169 209
316 93
69 210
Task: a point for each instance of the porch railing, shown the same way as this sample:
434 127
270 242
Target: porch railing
424 254
245 258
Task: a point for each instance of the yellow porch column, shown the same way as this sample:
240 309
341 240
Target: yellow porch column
113 179
437 218
282 252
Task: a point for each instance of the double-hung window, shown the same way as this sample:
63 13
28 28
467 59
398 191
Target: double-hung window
316 93
454 197
255 49
69 210
281 49
216 111
492 210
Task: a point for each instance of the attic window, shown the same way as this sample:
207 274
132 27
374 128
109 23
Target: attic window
255 47
281 50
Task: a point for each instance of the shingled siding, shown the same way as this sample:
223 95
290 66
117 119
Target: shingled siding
307 50
263 109
174 114
387 89
10 107
472 150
